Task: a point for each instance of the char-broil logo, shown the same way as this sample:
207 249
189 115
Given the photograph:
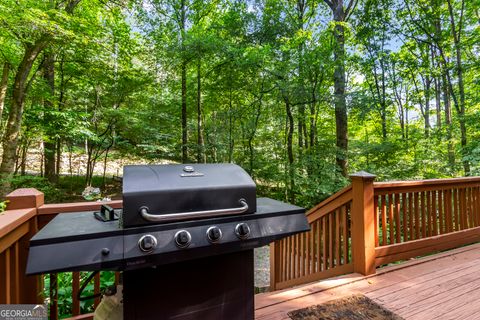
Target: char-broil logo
23 312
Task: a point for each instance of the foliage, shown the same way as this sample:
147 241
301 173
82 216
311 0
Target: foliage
252 82
51 192
3 206
64 291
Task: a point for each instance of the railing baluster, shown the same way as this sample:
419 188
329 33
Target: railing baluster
8 286
456 208
302 255
96 289
404 217
286 252
434 216
117 278
319 244
423 215
75 289
441 212
398 238
16 271
344 234
417 217
448 204
330 241
391 221
468 222
476 206
324 240
471 220
296 257
384 221
376 220
53 296
281 260
313 236
463 208
337 238
410 216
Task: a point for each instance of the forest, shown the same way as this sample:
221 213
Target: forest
299 93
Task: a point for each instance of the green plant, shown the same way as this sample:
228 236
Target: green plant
3 205
64 291
51 192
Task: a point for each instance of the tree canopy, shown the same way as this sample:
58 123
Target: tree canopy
299 93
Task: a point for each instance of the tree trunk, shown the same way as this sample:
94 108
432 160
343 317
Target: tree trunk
3 88
12 129
448 123
340 102
436 81
313 127
291 169
302 139
184 114
438 105
252 136
461 87
49 142
230 128
427 106
23 164
105 168
184 84
201 158
58 161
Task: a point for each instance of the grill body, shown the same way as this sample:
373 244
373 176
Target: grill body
218 287
184 243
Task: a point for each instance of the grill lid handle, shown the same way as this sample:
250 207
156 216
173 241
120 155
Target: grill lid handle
193 214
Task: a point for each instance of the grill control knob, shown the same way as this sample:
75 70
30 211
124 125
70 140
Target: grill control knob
242 230
147 243
214 234
183 238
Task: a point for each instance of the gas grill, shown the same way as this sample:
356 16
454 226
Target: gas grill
184 240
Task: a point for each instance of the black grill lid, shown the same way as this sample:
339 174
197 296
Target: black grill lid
164 193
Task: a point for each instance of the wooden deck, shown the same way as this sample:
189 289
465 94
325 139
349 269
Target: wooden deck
441 286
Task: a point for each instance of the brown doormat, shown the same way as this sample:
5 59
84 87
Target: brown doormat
356 307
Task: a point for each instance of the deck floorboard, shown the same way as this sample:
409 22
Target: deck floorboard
441 286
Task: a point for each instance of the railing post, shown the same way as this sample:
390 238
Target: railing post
363 228
24 198
31 287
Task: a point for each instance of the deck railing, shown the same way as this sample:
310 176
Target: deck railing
321 253
361 227
26 214
382 222
418 217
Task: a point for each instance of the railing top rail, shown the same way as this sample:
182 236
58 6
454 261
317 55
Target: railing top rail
12 219
55 208
428 182
329 199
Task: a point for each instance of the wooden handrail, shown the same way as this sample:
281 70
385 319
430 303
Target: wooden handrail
12 219
382 188
426 182
328 205
76 206
330 199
